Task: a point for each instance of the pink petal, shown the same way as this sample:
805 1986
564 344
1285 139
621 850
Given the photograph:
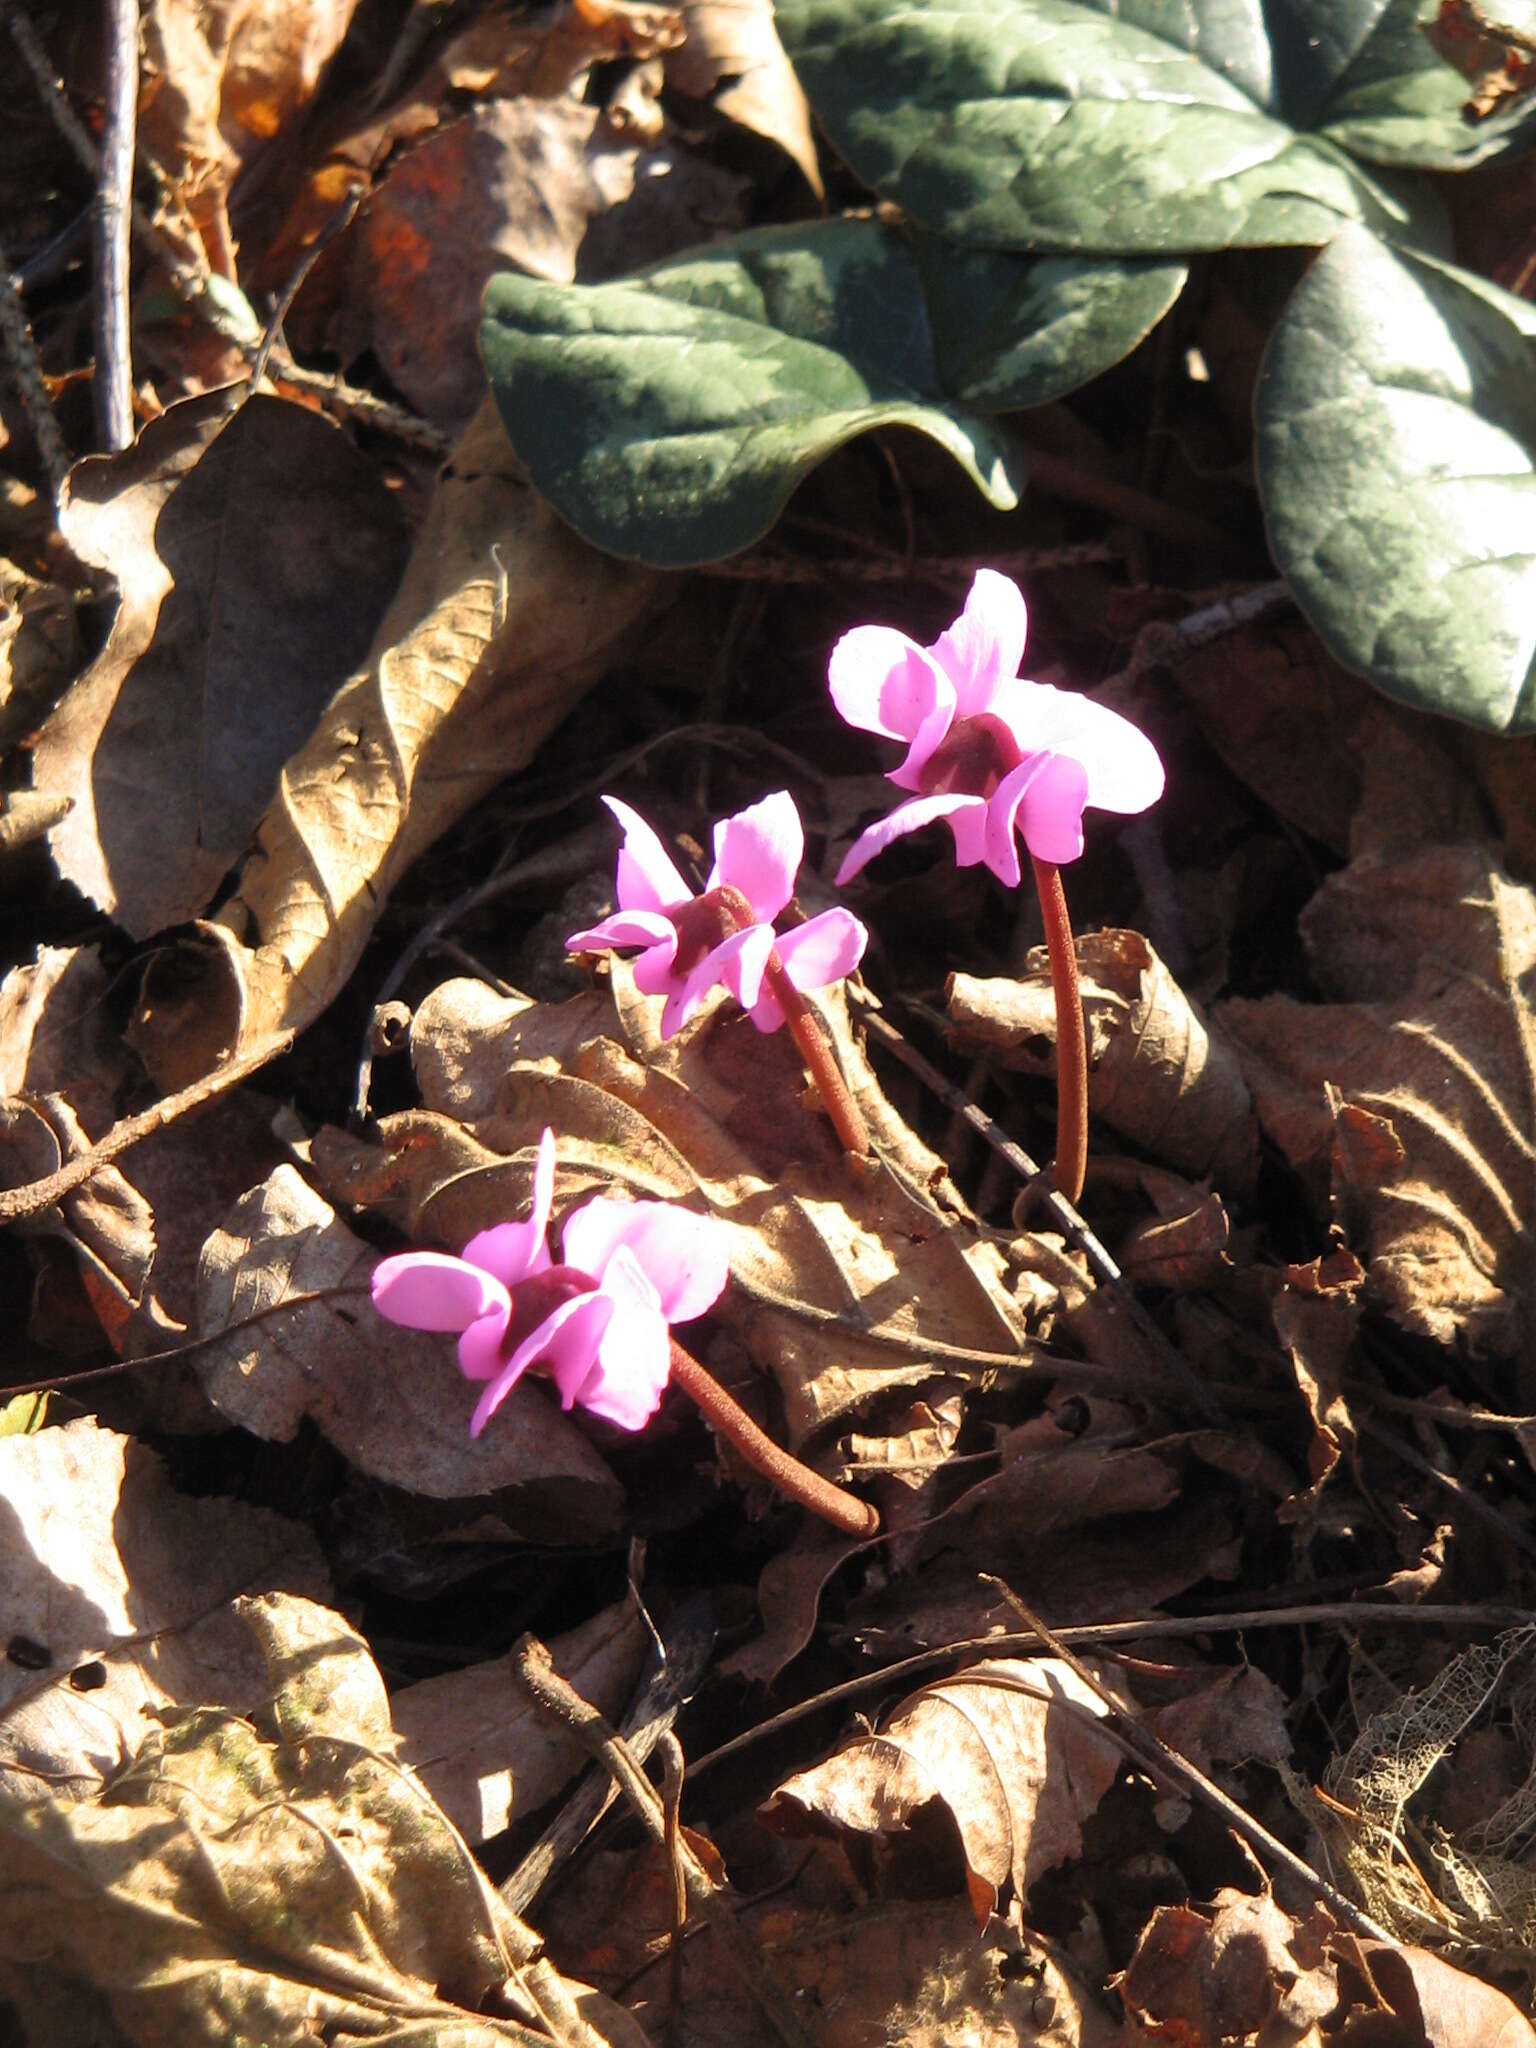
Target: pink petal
1042 800
1124 771
647 879
759 852
984 647
565 1342
513 1251
737 964
684 1256
905 818
431 1291
624 928
481 1355
883 682
634 1359
820 951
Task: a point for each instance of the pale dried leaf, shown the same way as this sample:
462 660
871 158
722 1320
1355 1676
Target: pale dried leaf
392 1400
240 1890
1410 1091
481 1747
732 49
254 552
120 1589
1017 1773
1436 2004
1155 1070
503 620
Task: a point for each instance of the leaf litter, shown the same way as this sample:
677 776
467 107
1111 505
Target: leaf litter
264 1751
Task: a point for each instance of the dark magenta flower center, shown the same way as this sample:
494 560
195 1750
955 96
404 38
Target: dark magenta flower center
706 922
539 1296
972 759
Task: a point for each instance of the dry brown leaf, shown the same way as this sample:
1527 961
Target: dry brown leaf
1410 1091
247 1888
544 186
254 552
220 78
1155 1070
38 643
1434 2003
1316 1313
1248 1972
503 621
731 49
55 1035
1499 63
1016 1773
481 1747
115 1597
391 1400
842 1287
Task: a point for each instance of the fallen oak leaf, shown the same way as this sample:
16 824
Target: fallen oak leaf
503 621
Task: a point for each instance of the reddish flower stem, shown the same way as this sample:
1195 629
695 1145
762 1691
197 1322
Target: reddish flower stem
1071 1043
806 1031
831 1502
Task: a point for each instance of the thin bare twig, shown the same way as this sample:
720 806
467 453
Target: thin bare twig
38 1195
1158 1756
548 1690
337 225
111 230
1108 1635
21 353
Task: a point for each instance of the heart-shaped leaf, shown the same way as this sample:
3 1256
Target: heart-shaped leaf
669 417
1130 125
1397 465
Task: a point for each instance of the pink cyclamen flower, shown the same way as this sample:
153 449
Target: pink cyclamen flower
689 943
989 753
598 1324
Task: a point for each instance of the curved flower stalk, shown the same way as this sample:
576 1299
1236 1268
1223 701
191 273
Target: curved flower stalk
598 1323
725 937
999 759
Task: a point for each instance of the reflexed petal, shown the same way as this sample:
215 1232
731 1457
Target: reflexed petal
1125 773
480 1353
883 682
431 1291
634 1359
1042 800
624 928
984 647
513 1251
970 829
823 949
647 879
736 964
759 852
684 1257
567 1339
905 818
653 969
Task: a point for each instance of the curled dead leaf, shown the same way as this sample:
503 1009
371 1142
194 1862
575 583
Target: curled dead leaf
1155 1069
503 620
994 1748
731 49
1406 1094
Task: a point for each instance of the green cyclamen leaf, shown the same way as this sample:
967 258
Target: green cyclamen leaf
670 416
1397 466
1134 125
